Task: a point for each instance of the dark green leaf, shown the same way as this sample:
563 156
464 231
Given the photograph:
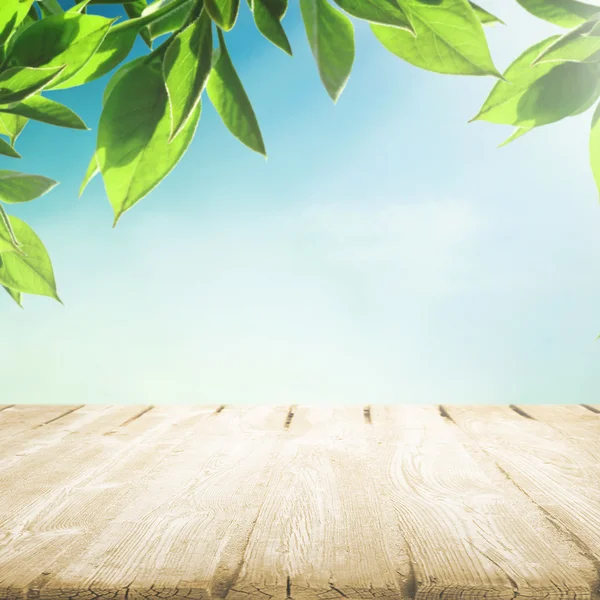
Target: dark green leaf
133 152
229 98
223 12
487 18
16 187
7 150
50 7
331 38
45 110
565 13
134 10
29 273
69 39
501 106
16 296
383 12
91 172
12 126
186 68
121 72
269 25
18 83
449 38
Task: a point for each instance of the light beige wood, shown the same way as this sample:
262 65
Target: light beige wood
552 470
300 503
326 528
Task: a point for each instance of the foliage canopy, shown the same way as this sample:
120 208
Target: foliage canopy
152 105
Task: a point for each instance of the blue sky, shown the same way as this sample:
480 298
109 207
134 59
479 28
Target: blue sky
386 251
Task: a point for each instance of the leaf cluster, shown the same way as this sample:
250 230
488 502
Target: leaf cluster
152 104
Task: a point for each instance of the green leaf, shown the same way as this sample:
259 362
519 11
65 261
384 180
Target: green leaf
595 146
501 106
29 273
331 38
186 68
520 131
9 12
135 10
565 13
581 44
50 7
69 39
8 240
18 83
168 23
230 100
91 172
16 187
133 152
449 38
269 25
7 150
121 72
79 7
114 49
383 12
45 110
12 126
16 296
485 17
223 12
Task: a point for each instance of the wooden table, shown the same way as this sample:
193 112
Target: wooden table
308 503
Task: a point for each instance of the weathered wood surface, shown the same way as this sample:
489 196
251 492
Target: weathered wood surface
303 503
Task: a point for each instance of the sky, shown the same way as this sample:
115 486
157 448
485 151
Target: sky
386 251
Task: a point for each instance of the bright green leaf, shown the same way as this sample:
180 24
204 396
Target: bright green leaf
229 98
519 132
269 25
501 106
565 13
18 83
331 38
12 126
133 152
383 12
16 187
91 172
186 68
45 110
449 38
487 18
581 44
7 150
69 39
79 7
29 273
9 13
114 49
223 12
16 296
120 73
8 240
170 22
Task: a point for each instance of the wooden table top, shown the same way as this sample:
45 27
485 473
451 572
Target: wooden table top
303 502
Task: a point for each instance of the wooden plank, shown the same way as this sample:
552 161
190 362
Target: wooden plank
17 418
552 470
574 422
470 533
54 504
181 522
88 420
325 529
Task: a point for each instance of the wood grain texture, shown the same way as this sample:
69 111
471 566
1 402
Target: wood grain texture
301 503
556 472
